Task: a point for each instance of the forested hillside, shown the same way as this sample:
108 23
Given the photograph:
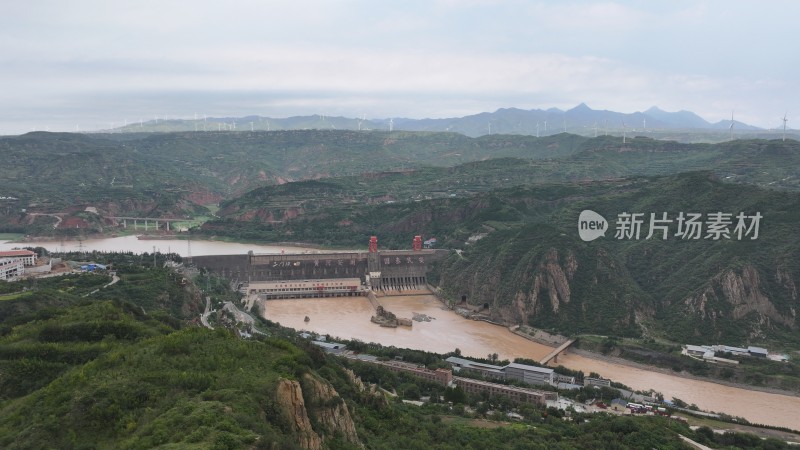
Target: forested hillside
178 175
532 267
771 164
64 169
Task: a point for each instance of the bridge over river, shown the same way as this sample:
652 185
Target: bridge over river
554 354
148 222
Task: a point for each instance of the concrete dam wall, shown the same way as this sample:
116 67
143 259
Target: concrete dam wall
380 270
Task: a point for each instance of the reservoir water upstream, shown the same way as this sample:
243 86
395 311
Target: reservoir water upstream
348 317
136 245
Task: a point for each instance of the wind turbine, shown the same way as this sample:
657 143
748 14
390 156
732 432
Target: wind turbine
391 125
624 129
595 129
784 126
545 127
731 127
644 123
537 129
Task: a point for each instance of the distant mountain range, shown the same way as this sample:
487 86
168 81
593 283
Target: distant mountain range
583 120
578 120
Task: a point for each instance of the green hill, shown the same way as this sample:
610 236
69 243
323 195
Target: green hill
771 164
178 174
540 272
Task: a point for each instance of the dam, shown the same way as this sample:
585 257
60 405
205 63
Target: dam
274 276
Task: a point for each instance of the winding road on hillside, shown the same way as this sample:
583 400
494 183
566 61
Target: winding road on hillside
114 280
206 313
56 215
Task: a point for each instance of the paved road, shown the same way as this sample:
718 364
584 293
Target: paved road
204 316
58 218
250 302
114 280
242 316
694 444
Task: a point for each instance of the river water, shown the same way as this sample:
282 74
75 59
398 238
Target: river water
136 245
348 317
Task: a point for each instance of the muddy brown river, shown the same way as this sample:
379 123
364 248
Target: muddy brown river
348 317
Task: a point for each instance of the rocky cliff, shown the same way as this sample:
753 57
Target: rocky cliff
537 271
290 398
315 412
740 295
328 409
575 288
557 286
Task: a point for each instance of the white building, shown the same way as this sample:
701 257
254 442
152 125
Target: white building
703 351
486 370
27 257
736 351
11 268
600 382
335 287
529 374
757 351
331 347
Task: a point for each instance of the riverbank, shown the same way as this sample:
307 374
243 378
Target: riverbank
348 318
636 365
551 340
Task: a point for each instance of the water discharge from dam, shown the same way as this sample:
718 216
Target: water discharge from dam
348 317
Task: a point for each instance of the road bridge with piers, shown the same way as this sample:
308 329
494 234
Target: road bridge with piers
156 221
554 354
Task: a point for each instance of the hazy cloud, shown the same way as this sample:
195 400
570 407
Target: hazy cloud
94 62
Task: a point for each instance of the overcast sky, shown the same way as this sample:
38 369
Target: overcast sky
91 63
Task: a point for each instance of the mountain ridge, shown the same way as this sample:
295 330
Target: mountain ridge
580 119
